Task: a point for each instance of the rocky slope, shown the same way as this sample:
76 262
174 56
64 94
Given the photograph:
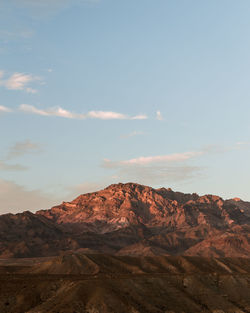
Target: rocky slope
132 219
77 283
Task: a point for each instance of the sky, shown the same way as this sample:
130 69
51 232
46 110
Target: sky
95 92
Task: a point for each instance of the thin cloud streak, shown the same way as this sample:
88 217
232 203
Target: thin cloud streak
60 112
139 117
243 143
24 34
11 167
162 168
50 3
40 9
132 134
23 147
175 157
159 175
159 169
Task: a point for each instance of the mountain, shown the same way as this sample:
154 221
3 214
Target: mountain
131 219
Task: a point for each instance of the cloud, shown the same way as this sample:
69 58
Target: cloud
159 175
139 117
45 8
31 90
133 134
175 157
11 167
50 3
166 168
23 147
159 116
4 109
106 115
15 34
60 112
19 81
16 198
18 149
218 149
242 143
156 169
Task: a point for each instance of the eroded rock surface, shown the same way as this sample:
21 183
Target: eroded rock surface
132 219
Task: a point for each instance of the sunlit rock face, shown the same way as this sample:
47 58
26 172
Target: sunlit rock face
132 219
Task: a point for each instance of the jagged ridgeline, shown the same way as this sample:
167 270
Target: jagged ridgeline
131 219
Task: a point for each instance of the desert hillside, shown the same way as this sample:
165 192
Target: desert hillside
131 219
77 283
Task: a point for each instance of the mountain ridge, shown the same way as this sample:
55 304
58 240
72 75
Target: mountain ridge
132 219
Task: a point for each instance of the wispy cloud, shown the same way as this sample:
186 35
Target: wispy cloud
157 169
23 147
49 112
4 109
139 117
16 198
18 81
15 34
106 115
133 134
175 157
102 115
60 112
11 167
243 143
159 116
20 148
166 168
50 3
159 175
38 9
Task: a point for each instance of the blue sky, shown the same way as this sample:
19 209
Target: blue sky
104 91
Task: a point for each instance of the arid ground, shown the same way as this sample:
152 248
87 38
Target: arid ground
77 283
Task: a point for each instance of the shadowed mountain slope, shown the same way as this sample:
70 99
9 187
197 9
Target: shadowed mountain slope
102 283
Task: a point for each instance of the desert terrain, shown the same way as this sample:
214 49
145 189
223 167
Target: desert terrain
128 249
78 283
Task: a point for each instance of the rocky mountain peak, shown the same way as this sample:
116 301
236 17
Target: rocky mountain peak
237 199
132 218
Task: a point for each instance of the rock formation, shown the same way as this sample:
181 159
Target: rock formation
132 219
